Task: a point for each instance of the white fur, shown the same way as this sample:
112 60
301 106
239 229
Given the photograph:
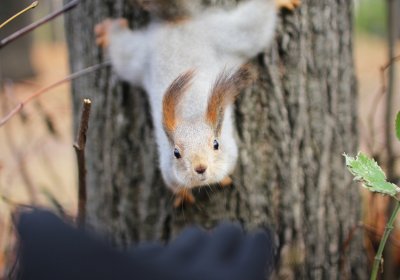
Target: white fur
209 43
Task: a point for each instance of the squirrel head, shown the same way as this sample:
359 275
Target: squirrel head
197 148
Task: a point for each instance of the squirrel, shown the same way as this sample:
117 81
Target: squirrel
192 68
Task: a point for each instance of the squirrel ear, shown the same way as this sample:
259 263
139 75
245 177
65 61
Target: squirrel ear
172 98
224 92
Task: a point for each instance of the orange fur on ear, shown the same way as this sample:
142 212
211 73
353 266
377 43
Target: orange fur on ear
224 92
172 98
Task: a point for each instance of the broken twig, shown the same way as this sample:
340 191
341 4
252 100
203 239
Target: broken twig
79 147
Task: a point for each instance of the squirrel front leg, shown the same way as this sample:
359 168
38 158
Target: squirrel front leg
183 196
127 49
227 181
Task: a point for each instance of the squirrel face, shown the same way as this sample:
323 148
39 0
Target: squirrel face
198 157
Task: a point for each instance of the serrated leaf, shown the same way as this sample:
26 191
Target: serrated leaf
382 187
398 125
368 172
364 167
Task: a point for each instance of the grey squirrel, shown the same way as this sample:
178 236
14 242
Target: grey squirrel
192 68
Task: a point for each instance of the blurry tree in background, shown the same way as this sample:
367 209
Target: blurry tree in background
15 62
53 31
293 126
371 17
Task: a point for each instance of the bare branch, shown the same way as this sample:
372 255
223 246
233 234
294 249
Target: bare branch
73 76
390 62
79 146
35 25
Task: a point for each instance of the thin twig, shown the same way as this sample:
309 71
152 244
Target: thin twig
30 7
35 25
80 155
376 101
14 205
390 63
73 76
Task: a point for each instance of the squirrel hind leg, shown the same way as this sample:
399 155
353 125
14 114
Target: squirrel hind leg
287 4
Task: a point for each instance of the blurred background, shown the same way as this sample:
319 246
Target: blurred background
37 160
36 154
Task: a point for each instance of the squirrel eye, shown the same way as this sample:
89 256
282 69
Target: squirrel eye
177 154
216 145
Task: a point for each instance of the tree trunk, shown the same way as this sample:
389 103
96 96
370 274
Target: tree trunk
293 127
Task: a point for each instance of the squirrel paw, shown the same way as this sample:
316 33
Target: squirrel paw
183 197
227 181
287 4
103 29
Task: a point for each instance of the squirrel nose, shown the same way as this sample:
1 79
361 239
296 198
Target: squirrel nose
201 169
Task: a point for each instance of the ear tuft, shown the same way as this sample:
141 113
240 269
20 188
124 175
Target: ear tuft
243 77
172 98
224 92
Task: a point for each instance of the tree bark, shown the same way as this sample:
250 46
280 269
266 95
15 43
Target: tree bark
293 126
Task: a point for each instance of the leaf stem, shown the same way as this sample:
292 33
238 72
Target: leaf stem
388 229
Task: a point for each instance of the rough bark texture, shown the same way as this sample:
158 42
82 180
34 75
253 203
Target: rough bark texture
293 127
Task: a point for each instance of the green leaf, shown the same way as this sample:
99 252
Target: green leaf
368 172
398 125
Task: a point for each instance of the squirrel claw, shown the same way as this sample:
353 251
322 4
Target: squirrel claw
227 181
288 4
184 197
102 30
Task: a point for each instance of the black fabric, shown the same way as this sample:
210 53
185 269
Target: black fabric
52 249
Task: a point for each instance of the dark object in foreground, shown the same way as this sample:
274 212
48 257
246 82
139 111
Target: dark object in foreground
51 249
